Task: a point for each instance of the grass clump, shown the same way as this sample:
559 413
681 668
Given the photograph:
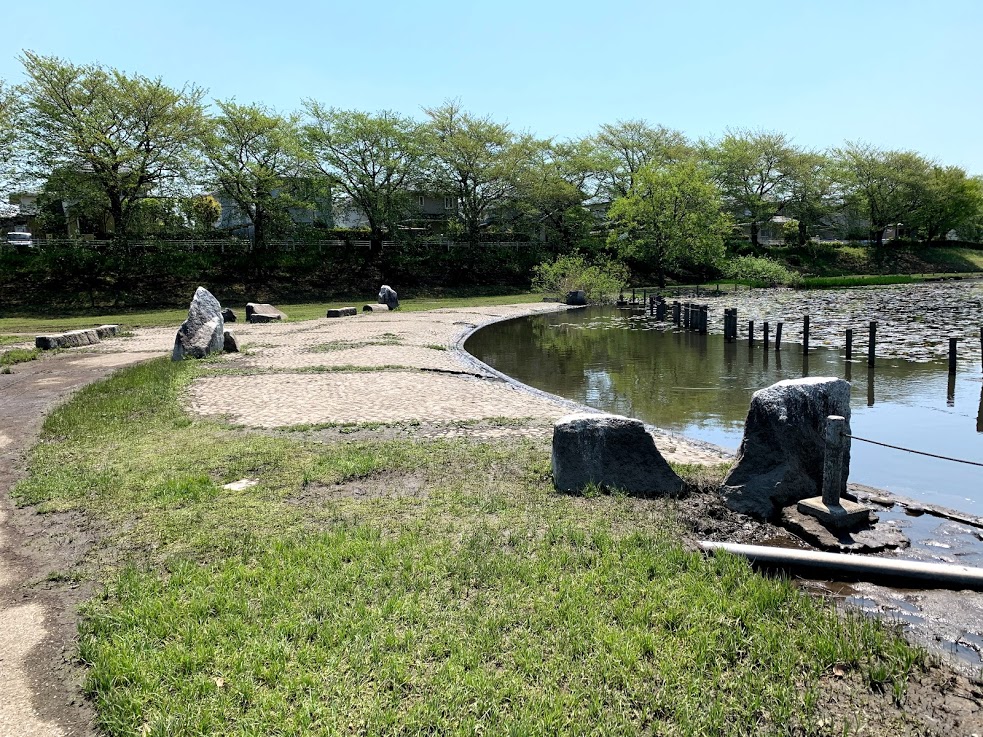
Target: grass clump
408 587
19 355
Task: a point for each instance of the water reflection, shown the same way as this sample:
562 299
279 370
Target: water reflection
701 386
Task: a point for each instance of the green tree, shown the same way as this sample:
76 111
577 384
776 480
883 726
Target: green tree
754 170
254 157
629 145
201 212
374 159
554 183
130 136
813 193
951 201
9 108
671 218
884 186
474 159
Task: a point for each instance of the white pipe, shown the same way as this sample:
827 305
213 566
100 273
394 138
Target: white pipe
941 575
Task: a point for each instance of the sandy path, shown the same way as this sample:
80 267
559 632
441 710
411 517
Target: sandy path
38 692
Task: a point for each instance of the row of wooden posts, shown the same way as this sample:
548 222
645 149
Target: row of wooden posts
695 317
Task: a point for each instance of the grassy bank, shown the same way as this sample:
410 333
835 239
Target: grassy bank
41 321
400 587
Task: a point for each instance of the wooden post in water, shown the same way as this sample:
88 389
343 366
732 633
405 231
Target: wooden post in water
778 337
675 312
750 333
952 355
981 356
849 344
704 319
764 335
871 343
805 334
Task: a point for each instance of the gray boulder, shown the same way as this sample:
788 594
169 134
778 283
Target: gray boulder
229 315
611 451
259 312
780 461
230 344
387 296
204 330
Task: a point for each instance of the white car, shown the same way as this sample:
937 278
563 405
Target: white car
21 240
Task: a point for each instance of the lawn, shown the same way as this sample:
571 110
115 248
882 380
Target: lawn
401 587
37 322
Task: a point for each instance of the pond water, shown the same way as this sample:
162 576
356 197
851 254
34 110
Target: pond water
699 386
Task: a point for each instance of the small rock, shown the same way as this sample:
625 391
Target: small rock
611 451
343 312
230 344
387 296
229 315
241 484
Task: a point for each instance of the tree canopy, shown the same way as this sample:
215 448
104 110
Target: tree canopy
253 156
130 136
376 160
671 218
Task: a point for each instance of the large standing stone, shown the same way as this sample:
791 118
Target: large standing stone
781 457
611 451
204 330
259 312
387 296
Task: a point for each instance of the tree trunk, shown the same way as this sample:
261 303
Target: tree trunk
879 237
803 235
754 233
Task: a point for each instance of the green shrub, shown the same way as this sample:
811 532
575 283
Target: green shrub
762 272
602 281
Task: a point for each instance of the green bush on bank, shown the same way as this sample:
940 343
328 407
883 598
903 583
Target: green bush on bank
762 272
602 281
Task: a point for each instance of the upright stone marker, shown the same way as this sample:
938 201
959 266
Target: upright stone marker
204 330
780 461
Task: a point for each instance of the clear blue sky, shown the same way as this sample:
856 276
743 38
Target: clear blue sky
898 73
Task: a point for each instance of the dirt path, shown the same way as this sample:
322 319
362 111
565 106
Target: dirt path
39 690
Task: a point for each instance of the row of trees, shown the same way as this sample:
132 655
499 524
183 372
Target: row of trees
142 152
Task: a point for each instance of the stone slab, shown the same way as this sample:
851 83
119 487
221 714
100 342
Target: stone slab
257 317
875 539
261 312
846 515
343 312
107 331
71 339
375 308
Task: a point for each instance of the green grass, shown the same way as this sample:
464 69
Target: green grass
18 355
834 282
482 601
42 322
10 339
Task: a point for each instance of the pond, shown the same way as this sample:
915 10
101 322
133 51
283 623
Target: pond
625 362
